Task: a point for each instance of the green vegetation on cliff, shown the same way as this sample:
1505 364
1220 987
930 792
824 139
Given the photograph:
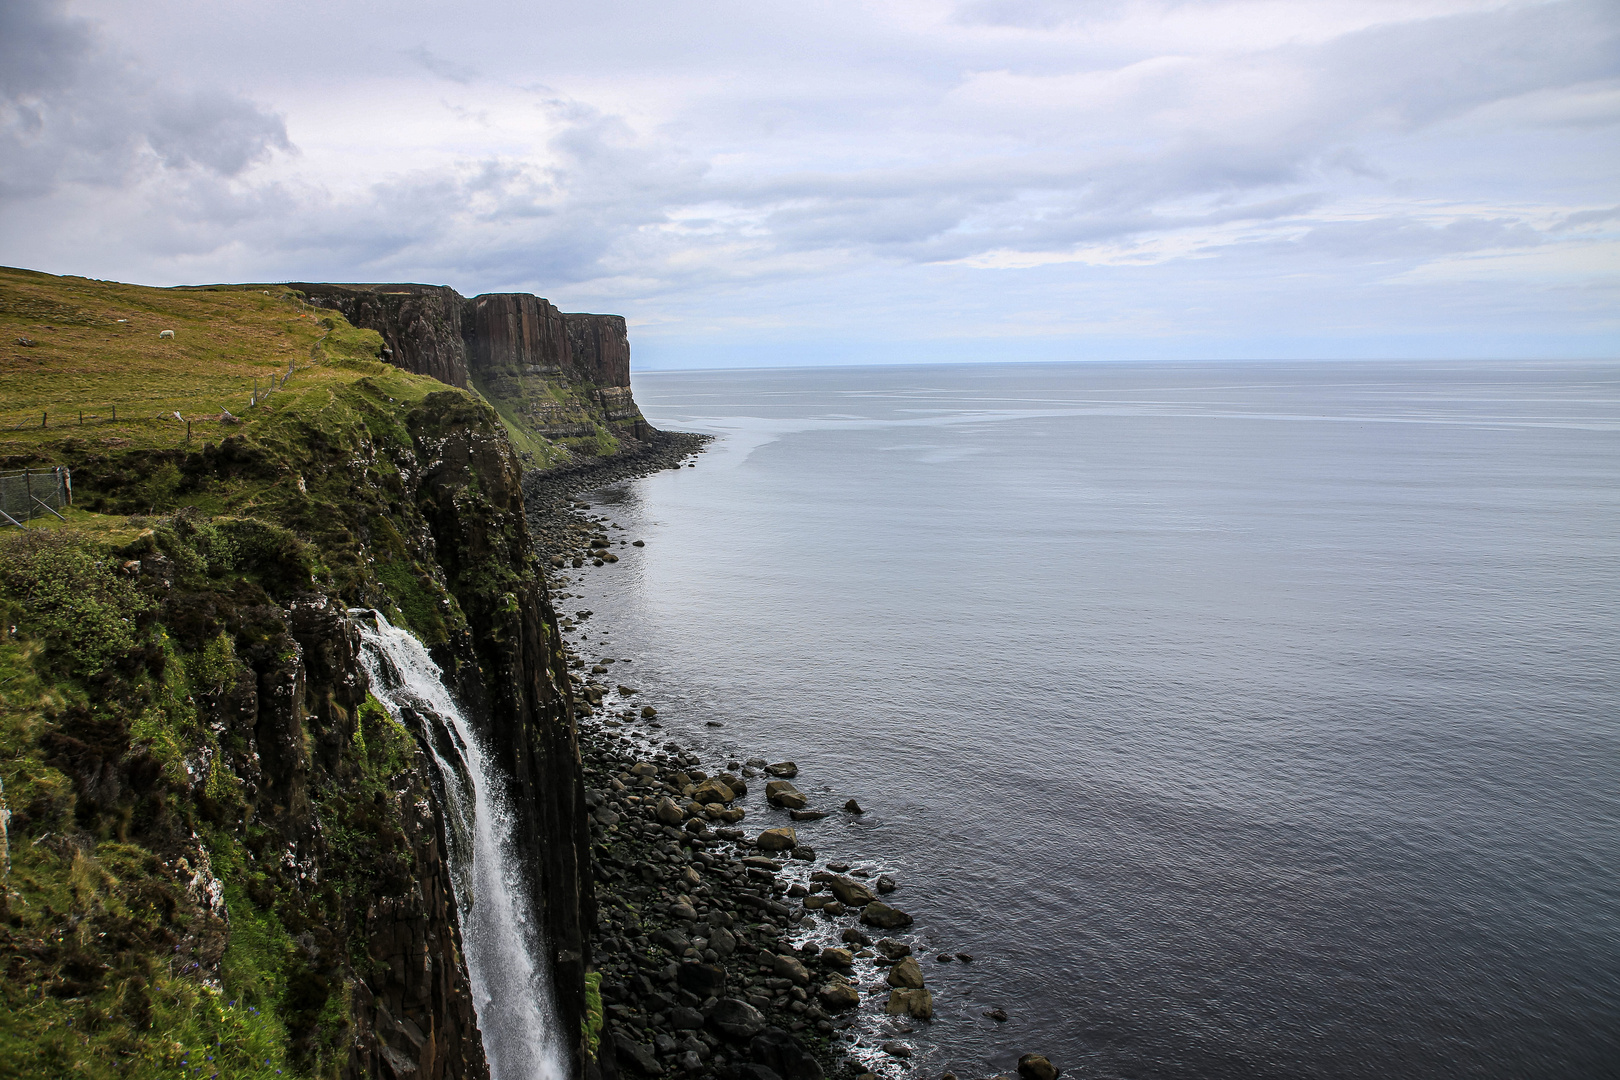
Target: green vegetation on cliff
217 840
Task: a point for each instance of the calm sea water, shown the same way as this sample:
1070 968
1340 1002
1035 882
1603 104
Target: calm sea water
1242 720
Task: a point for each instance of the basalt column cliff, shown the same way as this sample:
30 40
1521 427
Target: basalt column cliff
560 381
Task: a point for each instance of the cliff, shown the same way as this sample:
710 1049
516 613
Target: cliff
560 382
224 855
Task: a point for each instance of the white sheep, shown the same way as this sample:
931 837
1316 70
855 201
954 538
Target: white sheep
165 333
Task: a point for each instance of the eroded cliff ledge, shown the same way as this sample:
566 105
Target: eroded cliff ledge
560 381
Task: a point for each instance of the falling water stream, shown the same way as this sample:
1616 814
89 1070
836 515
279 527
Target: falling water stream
505 954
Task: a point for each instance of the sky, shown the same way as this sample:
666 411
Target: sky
829 182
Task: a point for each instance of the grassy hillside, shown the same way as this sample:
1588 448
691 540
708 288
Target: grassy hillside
151 921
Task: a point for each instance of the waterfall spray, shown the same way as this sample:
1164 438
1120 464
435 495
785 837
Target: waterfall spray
505 951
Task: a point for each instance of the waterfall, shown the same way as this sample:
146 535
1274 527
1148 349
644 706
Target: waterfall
505 951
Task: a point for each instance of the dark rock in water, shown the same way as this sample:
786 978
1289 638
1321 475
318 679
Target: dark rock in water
966 958
714 723
785 1055
852 893
638 1054
884 917
806 815
891 948
648 712
906 974
714 790
944 958
886 884
899 1050
735 1019
804 853
704 980
782 793
1036 1067
998 1015
853 936
778 840
911 1001
854 807
683 1019
839 867
638 543
785 769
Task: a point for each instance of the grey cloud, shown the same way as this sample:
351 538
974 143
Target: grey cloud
438 65
1403 237
1587 217
73 110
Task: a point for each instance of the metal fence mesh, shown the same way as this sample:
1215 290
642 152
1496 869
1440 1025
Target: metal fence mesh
34 492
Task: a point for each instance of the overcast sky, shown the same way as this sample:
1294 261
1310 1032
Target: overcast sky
836 182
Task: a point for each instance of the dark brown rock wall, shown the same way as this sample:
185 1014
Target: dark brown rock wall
516 334
421 325
600 349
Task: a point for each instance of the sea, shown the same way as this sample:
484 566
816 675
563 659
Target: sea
1238 719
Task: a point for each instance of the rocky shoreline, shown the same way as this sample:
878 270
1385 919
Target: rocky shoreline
720 951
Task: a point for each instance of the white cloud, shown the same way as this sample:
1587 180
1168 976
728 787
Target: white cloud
688 163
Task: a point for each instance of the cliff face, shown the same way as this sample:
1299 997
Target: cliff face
420 324
221 848
560 382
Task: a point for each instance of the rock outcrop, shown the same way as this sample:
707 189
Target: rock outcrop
420 324
560 379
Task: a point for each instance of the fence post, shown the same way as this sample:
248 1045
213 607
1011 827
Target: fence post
44 419
188 431
115 414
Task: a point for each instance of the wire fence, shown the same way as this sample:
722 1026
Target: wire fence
72 416
31 493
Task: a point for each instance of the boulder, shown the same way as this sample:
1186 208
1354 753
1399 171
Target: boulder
838 996
637 1054
837 957
807 815
853 936
683 911
673 940
735 783
704 980
735 1019
884 917
648 712
788 968
915 1003
854 807
713 791
683 1019
886 884
722 941
643 768
783 1054
893 949
1036 1067
783 794
852 893
785 769
786 840
906 975
669 812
